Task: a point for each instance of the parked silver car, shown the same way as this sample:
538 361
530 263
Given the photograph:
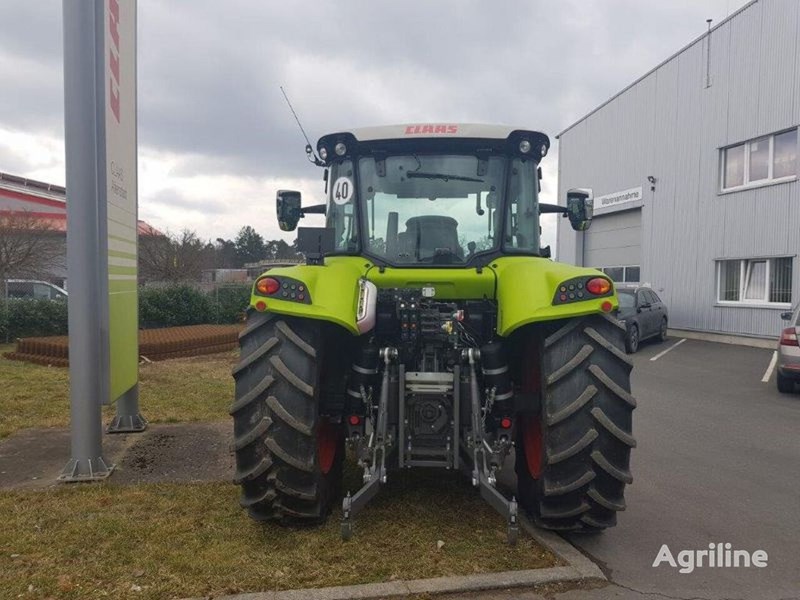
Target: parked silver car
32 289
788 375
643 313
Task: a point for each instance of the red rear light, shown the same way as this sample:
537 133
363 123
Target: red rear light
355 420
267 286
505 423
789 337
598 286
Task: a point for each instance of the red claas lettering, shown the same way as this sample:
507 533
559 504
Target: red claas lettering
113 57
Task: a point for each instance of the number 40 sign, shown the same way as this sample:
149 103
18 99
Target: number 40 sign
342 190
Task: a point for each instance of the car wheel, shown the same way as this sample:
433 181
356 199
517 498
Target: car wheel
785 385
632 339
662 332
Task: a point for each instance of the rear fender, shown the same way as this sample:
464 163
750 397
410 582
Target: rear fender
333 289
526 288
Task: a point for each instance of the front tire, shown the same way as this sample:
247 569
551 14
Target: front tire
632 339
584 430
288 458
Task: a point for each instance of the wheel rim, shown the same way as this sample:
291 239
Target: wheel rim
663 329
634 338
532 441
327 440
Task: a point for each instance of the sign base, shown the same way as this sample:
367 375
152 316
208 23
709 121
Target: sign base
87 469
127 424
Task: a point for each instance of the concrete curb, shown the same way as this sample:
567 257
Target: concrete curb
578 568
564 550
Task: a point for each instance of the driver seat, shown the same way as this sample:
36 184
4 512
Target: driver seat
426 234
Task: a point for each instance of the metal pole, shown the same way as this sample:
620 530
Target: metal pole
84 130
128 418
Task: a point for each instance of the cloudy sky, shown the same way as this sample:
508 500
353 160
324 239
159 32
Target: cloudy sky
216 139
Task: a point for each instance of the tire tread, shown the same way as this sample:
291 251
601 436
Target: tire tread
275 421
587 435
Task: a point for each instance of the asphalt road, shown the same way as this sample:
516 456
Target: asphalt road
718 460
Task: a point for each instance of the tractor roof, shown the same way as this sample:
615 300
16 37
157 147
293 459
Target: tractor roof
434 134
455 130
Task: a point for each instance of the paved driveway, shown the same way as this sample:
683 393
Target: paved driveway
718 460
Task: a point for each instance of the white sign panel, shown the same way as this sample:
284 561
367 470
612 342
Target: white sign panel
618 201
121 207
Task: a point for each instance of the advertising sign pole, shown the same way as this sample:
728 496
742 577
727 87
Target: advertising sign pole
83 131
100 136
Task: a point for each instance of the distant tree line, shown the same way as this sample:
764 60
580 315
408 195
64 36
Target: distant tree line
184 256
30 247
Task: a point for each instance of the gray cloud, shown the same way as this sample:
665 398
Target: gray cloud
209 71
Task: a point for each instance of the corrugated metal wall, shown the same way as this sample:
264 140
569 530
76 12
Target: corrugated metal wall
671 125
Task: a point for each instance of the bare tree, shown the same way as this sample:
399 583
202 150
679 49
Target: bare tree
30 247
172 257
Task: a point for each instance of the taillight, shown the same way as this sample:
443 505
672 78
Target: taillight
789 337
598 286
267 286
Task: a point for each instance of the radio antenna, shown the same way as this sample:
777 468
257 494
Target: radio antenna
309 149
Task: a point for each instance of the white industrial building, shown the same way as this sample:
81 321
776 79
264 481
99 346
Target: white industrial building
694 169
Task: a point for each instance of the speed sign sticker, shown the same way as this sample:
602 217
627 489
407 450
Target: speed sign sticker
342 190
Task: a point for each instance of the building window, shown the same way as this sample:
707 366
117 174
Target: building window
763 160
755 280
785 154
629 274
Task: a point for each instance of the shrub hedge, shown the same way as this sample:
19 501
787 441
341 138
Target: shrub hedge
30 318
168 306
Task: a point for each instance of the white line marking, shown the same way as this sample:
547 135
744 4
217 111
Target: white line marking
675 345
770 368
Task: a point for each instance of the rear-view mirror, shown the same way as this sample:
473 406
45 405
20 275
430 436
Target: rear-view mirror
287 204
580 206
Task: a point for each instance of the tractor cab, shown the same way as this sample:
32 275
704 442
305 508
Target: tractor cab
431 195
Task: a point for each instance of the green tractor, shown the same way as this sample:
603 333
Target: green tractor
429 329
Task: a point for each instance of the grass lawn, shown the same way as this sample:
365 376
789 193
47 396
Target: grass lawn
186 540
173 541
183 389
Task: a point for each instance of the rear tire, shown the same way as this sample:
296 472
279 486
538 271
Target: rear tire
785 385
288 459
662 332
584 430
